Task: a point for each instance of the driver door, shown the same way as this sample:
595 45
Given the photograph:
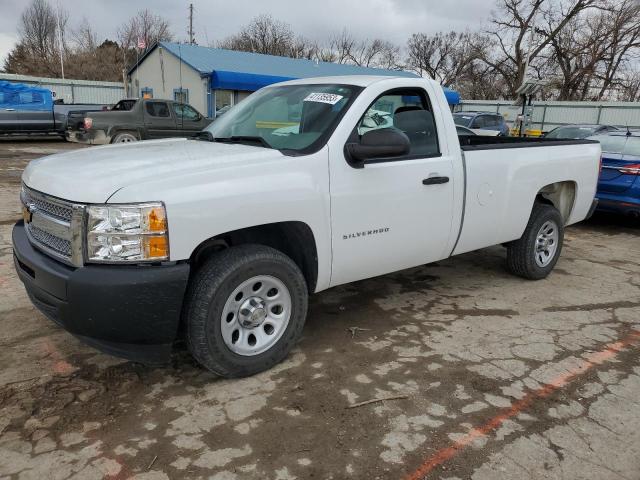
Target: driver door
391 214
188 119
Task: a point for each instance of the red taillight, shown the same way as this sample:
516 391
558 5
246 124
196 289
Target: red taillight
633 169
88 123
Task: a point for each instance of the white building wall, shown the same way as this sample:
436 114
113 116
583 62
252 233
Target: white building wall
150 74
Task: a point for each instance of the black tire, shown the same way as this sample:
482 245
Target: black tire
208 292
120 136
521 254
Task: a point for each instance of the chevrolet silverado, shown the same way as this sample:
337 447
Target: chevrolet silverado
305 185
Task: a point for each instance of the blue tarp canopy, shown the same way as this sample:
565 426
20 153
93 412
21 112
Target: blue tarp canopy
19 96
453 97
243 81
224 80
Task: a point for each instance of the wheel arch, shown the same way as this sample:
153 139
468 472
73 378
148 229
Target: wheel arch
293 238
115 130
562 195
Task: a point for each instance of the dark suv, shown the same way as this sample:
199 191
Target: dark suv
482 121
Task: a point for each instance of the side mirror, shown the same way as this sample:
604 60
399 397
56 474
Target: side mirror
380 143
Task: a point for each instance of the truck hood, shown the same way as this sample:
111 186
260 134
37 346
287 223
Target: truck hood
92 175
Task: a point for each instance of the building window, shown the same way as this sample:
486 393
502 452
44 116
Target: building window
224 101
181 95
147 92
241 95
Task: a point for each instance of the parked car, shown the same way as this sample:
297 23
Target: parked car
482 123
464 131
25 109
224 236
618 186
578 131
133 120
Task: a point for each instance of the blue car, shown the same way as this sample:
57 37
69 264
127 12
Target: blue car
482 121
618 185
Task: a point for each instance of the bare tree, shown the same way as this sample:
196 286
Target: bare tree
40 30
144 26
622 21
263 35
630 86
523 30
442 56
345 48
85 37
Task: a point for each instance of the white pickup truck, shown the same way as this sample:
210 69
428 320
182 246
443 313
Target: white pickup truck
303 186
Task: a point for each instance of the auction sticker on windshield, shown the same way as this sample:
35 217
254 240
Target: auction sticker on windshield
330 98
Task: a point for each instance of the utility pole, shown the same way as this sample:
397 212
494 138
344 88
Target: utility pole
60 42
192 39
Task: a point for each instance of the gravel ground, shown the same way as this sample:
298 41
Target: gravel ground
491 377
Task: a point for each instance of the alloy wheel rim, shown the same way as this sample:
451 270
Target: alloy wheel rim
255 315
546 243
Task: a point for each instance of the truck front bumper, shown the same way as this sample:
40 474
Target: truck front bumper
88 137
127 311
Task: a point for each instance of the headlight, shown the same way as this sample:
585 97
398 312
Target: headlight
127 233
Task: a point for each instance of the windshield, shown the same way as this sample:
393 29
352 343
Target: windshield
462 120
288 117
570 132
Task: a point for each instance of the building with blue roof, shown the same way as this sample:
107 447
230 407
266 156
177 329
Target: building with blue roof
214 79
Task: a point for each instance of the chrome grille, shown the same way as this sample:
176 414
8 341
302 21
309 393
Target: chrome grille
60 245
54 225
56 210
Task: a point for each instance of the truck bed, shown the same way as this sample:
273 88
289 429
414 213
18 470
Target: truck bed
501 184
479 142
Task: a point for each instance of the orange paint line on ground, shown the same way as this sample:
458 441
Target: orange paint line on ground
60 365
445 454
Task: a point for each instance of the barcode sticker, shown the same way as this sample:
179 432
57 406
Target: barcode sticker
330 98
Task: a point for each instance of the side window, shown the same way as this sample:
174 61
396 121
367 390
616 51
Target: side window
186 112
408 111
479 122
157 109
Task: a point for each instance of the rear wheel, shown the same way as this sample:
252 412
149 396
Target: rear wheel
125 137
245 310
535 254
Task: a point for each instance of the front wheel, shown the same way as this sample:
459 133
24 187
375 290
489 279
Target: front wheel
245 310
535 254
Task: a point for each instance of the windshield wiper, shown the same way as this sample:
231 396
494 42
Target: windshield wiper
242 138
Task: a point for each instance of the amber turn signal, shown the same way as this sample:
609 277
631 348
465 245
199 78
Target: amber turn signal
156 246
157 220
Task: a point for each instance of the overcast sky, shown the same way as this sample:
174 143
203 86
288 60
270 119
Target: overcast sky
393 20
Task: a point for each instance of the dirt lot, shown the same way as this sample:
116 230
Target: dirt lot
494 378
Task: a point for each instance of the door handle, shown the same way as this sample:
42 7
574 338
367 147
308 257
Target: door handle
9 109
435 180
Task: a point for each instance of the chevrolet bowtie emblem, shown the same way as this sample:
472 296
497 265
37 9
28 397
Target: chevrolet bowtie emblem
26 214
